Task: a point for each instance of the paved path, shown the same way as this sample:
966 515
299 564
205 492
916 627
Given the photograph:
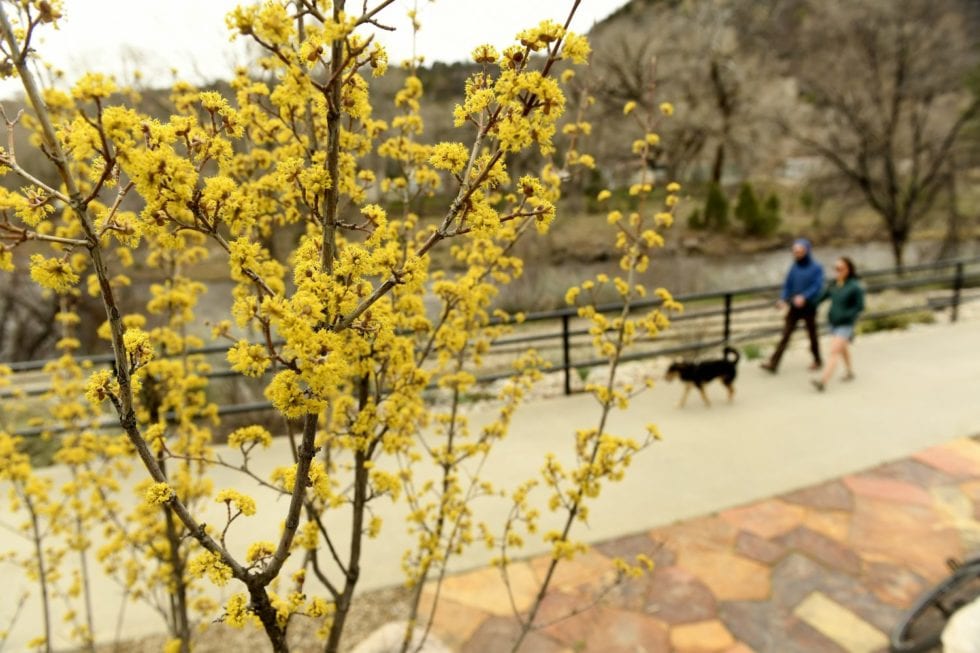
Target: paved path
915 390
825 569
801 550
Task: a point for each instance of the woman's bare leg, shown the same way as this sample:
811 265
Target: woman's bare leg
846 355
838 346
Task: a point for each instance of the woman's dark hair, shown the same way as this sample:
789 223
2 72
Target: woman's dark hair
851 269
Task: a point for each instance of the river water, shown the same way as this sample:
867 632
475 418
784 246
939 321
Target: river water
543 288
694 273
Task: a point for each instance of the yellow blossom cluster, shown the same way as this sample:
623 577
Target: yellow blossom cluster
210 564
276 186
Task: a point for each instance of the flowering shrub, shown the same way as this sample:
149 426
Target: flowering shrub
336 329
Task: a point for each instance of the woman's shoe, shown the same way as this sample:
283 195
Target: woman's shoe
817 384
848 377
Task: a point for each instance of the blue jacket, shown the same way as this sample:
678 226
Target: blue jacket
805 278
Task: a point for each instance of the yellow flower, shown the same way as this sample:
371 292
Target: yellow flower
603 195
158 494
101 385
667 108
250 434
138 347
629 107
259 550
576 48
93 86
53 273
210 564
248 359
237 613
485 54
449 156
245 504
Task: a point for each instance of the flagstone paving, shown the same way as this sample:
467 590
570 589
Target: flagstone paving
824 569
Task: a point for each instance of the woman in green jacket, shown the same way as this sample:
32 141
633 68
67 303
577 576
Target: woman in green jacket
846 303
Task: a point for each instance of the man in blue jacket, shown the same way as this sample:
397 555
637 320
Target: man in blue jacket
802 288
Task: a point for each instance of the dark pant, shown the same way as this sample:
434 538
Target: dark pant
809 316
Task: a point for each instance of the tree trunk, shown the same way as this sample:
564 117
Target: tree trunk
181 621
952 238
719 164
263 609
898 241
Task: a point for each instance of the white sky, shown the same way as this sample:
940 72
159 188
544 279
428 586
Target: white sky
116 36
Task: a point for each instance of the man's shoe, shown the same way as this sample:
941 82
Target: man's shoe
817 384
769 367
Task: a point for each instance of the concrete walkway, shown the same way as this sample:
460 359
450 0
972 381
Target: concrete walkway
914 390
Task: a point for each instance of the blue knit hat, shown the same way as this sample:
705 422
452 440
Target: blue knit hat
803 242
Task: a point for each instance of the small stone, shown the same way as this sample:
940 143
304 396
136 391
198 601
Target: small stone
677 596
589 572
756 548
839 624
887 489
729 576
826 496
960 458
768 519
830 523
823 549
705 636
893 585
484 589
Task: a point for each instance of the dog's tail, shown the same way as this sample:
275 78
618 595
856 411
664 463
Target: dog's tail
731 354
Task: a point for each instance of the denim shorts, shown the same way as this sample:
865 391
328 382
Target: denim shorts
845 331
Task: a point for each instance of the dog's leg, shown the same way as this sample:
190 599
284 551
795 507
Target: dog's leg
704 396
687 389
731 391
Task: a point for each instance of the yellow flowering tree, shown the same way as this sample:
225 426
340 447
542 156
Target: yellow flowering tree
336 331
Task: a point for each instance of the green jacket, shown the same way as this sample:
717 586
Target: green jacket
846 301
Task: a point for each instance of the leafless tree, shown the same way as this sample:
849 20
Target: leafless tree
27 327
885 100
693 51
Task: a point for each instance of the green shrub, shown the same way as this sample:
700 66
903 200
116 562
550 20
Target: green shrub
771 212
808 201
747 208
716 209
695 221
752 351
895 322
756 219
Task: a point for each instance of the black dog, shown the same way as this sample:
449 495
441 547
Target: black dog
699 373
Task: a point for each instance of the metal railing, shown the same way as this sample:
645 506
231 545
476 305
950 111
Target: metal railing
711 320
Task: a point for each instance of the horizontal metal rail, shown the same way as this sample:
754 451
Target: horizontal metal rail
568 337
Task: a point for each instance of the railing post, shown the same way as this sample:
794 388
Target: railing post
728 317
957 287
566 352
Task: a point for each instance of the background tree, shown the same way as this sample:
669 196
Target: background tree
702 59
883 88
